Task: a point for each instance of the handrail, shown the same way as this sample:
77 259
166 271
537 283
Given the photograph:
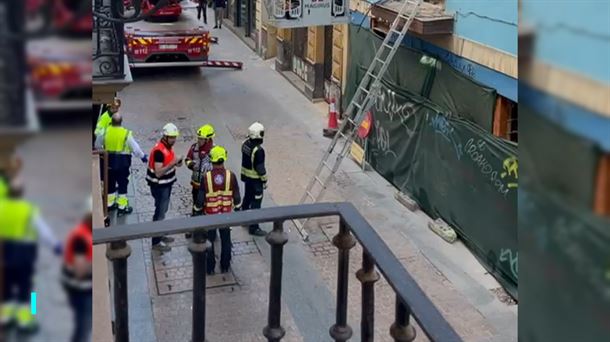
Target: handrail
410 298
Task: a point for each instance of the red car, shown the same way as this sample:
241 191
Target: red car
68 15
170 12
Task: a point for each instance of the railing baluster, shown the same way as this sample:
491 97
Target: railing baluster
344 241
117 253
277 239
198 247
367 276
401 330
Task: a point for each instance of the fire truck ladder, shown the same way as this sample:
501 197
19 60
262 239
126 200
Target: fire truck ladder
361 102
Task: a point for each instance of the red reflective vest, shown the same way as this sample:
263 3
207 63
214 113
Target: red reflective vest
218 192
83 232
168 156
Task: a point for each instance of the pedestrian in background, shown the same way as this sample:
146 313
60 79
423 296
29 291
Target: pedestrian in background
202 9
219 10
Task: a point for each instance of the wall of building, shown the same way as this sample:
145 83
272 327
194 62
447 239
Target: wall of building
492 23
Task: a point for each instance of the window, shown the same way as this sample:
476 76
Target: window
505 120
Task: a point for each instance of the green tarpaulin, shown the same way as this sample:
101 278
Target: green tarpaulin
450 89
440 151
565 249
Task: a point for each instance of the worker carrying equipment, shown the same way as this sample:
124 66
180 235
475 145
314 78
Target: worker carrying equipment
198 161
120 145
220 195
253 172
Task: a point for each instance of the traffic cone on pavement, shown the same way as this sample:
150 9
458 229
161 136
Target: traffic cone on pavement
333 126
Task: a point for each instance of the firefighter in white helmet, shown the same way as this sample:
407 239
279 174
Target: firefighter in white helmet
161 175
253 172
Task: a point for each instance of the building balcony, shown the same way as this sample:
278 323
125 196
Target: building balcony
431 19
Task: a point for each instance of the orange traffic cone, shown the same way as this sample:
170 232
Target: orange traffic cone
333 126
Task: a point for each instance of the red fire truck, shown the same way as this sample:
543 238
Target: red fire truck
60 73
183 42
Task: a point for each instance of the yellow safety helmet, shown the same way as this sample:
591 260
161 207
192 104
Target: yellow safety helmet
218 154
206 132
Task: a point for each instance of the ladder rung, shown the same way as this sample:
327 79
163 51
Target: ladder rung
319 180
327 166
357 105
372 75
388 46
380 60
310 195
364 90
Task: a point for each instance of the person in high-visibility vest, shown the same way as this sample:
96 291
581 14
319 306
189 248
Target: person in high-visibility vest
253 172
161 175
20 224
221 195
77 273
120 145
105 120
198 161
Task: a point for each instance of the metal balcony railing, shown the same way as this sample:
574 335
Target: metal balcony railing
108 41
12 64
410 299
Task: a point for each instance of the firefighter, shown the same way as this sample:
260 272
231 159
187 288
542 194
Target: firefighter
76 275
253 172
198 161
20 224
105 120
221 195
161 175
120 145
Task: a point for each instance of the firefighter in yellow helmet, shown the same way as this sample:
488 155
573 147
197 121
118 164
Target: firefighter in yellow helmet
20 224
198 161
220 195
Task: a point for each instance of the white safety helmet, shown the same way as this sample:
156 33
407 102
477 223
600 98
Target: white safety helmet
170 130
256 131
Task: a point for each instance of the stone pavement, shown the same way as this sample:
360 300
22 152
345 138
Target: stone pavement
231 101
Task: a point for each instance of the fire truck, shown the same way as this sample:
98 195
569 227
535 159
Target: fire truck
182 42
60 73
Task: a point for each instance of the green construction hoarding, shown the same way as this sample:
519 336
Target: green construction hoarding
431 139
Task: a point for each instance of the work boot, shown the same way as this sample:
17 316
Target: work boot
224 269
26 322
8 314
161 247
112 207
124 211
188 235
258 232
168 239
210 271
